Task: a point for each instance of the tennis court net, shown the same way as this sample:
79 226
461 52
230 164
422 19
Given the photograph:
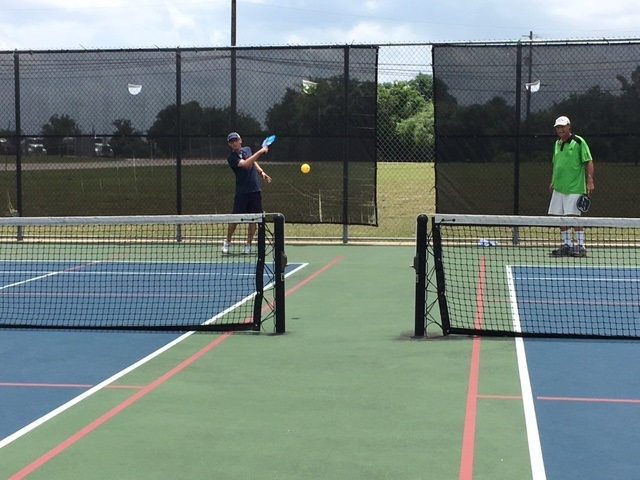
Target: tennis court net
141 273
509 275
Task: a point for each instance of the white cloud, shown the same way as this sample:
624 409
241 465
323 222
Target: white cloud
62 24
370 32
372 6
620 16
180 19
361 32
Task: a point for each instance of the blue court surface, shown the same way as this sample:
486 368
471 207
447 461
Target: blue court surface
587 405
585 300
585 394
42 370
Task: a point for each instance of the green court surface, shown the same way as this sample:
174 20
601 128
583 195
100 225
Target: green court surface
346 393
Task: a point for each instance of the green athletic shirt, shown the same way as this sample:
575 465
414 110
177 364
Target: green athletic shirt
568 169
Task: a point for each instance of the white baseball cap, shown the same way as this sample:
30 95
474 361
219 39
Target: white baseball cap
562 121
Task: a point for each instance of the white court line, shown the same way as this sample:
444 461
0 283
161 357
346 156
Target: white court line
22 282
531 422
36 423
216 317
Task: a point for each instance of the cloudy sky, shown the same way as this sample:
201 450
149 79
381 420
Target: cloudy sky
93 24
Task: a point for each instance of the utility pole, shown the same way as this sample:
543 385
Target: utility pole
233 23
233 100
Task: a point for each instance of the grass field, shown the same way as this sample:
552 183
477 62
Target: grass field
404 190
55 188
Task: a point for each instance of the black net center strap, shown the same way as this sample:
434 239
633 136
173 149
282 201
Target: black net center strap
508 275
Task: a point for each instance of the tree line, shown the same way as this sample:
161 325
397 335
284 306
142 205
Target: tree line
404 121
404 115
485 132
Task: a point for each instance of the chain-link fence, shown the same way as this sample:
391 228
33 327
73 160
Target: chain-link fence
405 176
111 133
143 132
495 110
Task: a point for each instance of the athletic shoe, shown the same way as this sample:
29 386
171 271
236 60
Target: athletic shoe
225 247
578 251
247 249
563 251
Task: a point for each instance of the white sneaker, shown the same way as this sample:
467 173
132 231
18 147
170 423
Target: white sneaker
247 249
225 247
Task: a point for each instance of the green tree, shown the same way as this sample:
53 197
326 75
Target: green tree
405 119
321 112
128 142
627 112
55 132
417 131
198 126
424 84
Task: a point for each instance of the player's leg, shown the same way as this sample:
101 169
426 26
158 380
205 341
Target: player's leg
254 205
239 206
579 250
251 231
227 241
556 207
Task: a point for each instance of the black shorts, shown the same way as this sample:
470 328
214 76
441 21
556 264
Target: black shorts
248 203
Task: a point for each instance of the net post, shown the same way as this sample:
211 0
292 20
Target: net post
436 240
280 263
257 305
420 267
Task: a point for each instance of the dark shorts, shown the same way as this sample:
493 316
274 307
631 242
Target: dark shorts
248 203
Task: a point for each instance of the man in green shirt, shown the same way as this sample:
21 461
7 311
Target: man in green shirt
572 176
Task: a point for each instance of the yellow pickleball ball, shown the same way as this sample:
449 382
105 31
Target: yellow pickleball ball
305 168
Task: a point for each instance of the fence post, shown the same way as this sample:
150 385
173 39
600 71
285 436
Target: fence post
345 151
420 267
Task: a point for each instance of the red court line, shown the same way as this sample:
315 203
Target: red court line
468 436
314 275
142 392
117 409
303 282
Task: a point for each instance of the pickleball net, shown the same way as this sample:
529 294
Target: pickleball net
497 275
165 273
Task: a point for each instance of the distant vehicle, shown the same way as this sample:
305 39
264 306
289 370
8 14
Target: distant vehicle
34 146
87 147
102 148
6 147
